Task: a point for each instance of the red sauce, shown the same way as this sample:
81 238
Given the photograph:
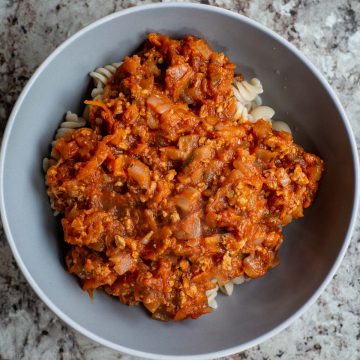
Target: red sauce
165 191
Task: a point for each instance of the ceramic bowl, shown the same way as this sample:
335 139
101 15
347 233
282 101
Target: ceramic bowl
313 246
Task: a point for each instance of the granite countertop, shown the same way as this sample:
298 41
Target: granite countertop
328 33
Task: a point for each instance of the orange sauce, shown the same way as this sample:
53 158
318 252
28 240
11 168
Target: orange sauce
165 191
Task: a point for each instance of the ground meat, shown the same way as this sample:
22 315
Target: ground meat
165 191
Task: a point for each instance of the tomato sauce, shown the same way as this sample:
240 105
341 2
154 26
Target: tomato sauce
165 191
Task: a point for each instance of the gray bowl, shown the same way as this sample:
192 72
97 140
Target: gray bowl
314 245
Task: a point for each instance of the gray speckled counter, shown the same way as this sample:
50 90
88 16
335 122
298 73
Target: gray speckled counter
328 33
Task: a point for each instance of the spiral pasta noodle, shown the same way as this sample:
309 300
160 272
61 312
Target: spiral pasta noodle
70 123
211 295
281 126
226 289
101 76
262 112
247 97
249 104
246 92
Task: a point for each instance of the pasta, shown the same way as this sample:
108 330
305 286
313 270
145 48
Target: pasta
161 181
247 96
262 112
70 123
226 289
100 76
211 295
249 104
246 92
281 126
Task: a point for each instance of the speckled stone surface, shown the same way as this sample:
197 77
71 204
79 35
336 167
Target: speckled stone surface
328 33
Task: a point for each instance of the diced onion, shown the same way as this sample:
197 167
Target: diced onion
158 103
140 173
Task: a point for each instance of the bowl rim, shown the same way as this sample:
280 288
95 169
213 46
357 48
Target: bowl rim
131 351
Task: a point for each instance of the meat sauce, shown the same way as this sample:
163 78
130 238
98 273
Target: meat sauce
165 191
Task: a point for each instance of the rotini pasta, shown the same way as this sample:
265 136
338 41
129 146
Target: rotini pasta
101 76
262 112
247 96
249 104
226 289
281 126
211 294
246 92
70 123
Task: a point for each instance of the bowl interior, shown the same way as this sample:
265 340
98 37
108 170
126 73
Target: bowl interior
311 244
